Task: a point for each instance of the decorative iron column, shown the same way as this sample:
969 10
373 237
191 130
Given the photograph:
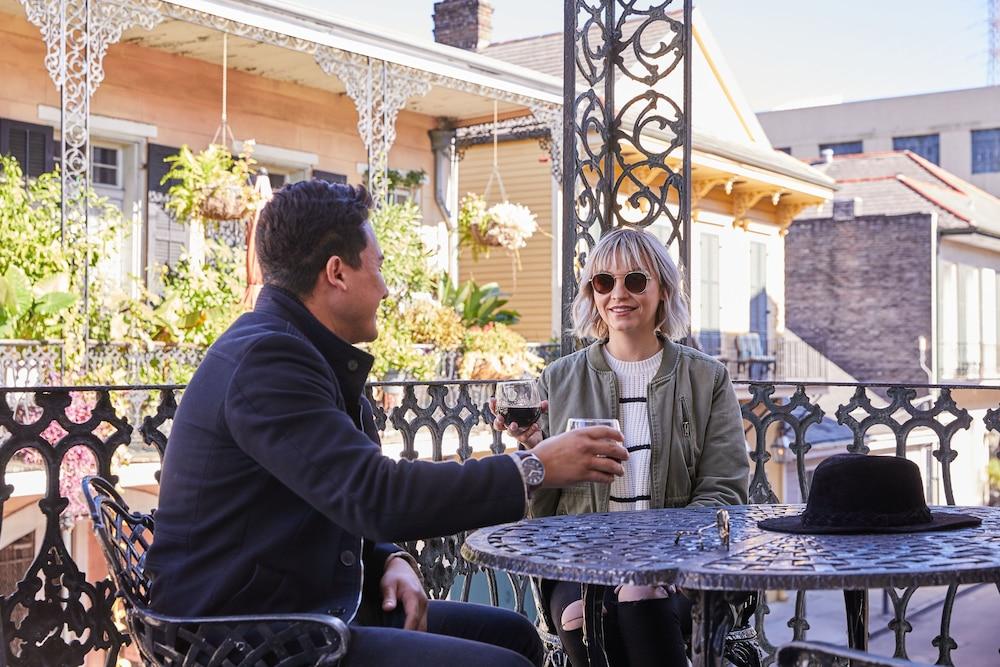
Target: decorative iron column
77 34
624 62
379 90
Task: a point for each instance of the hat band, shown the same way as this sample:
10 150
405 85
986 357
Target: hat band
866 519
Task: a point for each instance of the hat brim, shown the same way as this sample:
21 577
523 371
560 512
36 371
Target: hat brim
939 521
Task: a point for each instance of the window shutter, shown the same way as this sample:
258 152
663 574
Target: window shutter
32 145
329 176
168 237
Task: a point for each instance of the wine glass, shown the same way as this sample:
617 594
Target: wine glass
584 422
519 402
579 422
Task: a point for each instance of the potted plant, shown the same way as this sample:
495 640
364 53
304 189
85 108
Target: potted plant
496 352
212 184
504 225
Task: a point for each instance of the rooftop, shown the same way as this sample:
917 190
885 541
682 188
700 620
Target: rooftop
901 182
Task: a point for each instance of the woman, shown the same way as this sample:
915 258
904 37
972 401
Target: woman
681 422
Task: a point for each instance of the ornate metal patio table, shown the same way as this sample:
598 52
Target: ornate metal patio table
602 550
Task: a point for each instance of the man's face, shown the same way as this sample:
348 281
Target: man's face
366 289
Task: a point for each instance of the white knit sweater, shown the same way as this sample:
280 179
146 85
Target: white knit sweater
631 491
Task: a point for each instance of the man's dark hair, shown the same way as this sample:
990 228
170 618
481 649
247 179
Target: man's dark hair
305 224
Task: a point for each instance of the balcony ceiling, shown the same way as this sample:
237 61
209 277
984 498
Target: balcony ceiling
283 64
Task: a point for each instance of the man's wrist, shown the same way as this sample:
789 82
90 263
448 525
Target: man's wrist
531 468
405 556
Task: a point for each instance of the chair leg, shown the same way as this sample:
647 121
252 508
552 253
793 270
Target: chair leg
742 648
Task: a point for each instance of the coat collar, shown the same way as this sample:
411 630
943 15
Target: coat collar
668 364
349 364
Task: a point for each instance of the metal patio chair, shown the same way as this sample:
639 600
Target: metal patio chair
750 354
278 640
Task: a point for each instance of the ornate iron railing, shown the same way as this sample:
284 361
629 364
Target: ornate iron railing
54 615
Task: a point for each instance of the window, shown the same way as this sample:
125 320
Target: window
105 166
985 151
927 146
329 176
278 181
843 148
32 145
708 293
969 311
167 237
785 149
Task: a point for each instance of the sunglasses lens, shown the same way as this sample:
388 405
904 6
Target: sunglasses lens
635 282
603 283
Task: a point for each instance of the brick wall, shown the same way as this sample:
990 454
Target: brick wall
467 24
861 290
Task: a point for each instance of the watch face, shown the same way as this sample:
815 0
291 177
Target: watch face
534 470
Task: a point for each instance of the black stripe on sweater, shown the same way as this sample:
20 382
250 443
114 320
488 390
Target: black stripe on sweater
633 499
635 399
637 448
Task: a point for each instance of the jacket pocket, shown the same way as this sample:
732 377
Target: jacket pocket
687 442
266 589
687 437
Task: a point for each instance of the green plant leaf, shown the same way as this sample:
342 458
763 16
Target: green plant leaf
20 298
8 302
55 282
54 302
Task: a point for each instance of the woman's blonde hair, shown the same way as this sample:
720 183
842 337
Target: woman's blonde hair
634 249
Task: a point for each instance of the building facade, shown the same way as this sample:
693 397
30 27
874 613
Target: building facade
958 130
897 280
744 197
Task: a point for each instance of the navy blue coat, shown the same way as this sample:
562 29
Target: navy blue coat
274 494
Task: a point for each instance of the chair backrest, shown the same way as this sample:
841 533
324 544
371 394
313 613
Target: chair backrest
820 654
748 345
125 537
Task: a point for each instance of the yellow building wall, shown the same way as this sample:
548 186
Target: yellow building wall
181 96
527 178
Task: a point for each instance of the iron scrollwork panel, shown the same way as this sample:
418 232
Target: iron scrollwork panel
55 615
627 125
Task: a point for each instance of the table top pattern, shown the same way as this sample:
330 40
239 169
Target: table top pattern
642 548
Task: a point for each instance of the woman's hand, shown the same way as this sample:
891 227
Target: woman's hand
528 436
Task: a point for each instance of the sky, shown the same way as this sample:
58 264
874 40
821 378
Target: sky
783 53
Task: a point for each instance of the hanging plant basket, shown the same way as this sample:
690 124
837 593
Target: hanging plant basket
211 185
504 225
486 234
225 202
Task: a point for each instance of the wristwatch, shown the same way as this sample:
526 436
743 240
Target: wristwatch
532 470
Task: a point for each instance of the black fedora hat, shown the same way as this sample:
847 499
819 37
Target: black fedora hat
854 493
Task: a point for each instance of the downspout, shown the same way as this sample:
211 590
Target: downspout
446 190
933 376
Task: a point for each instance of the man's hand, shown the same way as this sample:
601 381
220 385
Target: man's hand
401 584
528 436
592 454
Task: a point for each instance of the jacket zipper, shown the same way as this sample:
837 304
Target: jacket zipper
685 422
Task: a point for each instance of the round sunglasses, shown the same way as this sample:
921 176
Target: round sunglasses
635 282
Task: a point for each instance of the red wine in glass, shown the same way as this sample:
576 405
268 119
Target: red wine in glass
519 402
522 416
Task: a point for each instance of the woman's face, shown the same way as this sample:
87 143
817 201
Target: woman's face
623 311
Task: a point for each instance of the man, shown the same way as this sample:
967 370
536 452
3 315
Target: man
274 494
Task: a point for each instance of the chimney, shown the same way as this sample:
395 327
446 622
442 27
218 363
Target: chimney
827 155
467 24
846 209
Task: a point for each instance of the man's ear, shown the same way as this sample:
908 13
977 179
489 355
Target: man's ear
334 272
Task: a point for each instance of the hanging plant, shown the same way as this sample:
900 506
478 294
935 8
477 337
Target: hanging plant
504 225
212 184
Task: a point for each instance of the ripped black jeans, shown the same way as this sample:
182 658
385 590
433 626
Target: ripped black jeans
644 633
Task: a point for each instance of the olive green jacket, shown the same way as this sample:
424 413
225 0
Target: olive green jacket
699 453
